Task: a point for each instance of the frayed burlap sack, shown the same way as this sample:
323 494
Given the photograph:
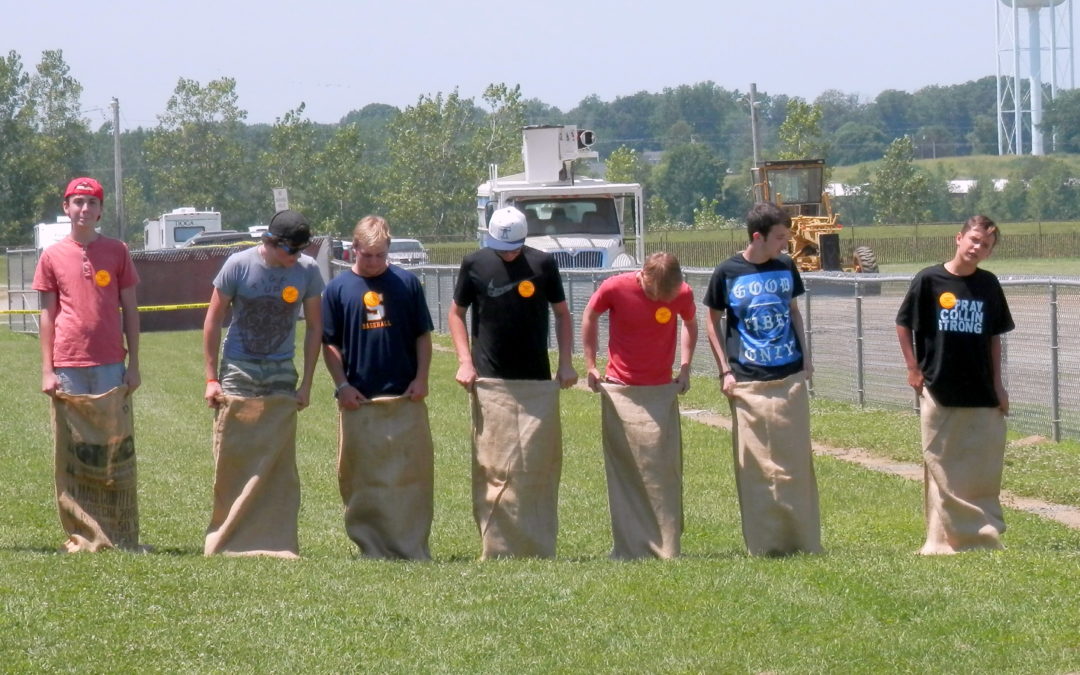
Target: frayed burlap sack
963 456
256 484
774 466
386 476
95 470
643 462
517 463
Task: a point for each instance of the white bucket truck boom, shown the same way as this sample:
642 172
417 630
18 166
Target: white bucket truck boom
172 229
581 221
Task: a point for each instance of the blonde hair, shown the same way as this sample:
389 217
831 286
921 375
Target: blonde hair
661 274
371 231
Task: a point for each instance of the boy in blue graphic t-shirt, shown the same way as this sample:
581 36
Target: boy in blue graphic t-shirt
764 364
950 326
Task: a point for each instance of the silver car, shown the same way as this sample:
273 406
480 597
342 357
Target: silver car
407 252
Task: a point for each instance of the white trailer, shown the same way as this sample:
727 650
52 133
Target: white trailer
581 221
47 234
172 229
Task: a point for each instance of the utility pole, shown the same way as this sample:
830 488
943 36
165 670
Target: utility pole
118 171
754 124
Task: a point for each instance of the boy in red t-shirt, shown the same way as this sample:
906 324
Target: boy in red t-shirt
639 401
84 281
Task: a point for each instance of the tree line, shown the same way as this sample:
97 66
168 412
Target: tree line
689 145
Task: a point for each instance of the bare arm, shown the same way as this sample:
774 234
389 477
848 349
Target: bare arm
800 332
687 344
312 346
418 388
590 339
130 305
348 396
999 385
215 316
47 336
564 335
459 333
716 344
907 348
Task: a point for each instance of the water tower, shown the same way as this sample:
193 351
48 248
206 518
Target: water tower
1033 37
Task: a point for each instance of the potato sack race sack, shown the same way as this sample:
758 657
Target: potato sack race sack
256 484
643 462
95 470
963 457
774 466
386 475
517 463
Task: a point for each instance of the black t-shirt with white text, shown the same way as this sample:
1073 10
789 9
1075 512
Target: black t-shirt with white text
953 319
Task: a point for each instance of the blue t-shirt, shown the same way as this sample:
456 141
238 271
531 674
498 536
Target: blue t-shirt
760 341
266 303
375 322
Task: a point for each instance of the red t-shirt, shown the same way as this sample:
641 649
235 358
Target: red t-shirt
88 330
641 332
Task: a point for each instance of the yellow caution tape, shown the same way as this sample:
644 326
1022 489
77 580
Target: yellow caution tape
147 308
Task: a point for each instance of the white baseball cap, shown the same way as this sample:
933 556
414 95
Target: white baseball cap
507 229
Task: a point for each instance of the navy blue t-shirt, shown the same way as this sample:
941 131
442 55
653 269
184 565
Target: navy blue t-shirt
375 322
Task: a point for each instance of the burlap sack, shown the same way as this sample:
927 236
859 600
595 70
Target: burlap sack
963 456
517 463
95 470
643 462
774 467
386 474
256 484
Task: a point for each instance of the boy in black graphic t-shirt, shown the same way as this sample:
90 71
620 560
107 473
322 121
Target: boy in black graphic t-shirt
949 327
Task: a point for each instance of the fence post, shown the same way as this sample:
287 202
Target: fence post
1055 402
859 376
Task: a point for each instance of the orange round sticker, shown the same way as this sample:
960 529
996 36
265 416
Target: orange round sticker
947 300
290 294
526 289
371 299
663 315
102 278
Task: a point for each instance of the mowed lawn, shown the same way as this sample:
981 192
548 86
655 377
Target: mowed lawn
868 605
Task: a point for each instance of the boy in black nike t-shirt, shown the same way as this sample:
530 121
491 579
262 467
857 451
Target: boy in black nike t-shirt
950 326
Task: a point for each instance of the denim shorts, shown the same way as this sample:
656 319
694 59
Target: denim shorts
248 379
91 380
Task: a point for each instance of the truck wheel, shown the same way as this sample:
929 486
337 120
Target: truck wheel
865 260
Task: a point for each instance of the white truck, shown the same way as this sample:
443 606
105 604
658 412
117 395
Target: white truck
47 234
581 221
172 229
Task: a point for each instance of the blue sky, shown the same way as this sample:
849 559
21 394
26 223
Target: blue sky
339 55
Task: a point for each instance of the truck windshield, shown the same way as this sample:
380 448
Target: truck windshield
549 216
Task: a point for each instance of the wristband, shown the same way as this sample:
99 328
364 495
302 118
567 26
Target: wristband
726 373
337 391
209 380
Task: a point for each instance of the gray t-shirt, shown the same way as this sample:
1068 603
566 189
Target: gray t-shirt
266 303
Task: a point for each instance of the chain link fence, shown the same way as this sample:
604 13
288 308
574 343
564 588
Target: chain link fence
851 329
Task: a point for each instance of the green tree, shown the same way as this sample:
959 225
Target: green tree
800 134
899 190
856 142
1062 118
439 152
686 175
196 152
626 166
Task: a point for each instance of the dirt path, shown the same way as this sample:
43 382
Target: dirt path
1066 515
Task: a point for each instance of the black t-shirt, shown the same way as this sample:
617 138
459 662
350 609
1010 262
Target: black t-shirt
509 303
760 340
953 319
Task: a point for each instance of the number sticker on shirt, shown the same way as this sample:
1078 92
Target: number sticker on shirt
526 289
102 278
663 315
289 294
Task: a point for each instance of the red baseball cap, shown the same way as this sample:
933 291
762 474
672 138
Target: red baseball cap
85 186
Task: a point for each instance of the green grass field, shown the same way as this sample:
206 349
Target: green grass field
868 605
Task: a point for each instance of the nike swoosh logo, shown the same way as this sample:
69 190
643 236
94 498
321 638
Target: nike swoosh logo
494 292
